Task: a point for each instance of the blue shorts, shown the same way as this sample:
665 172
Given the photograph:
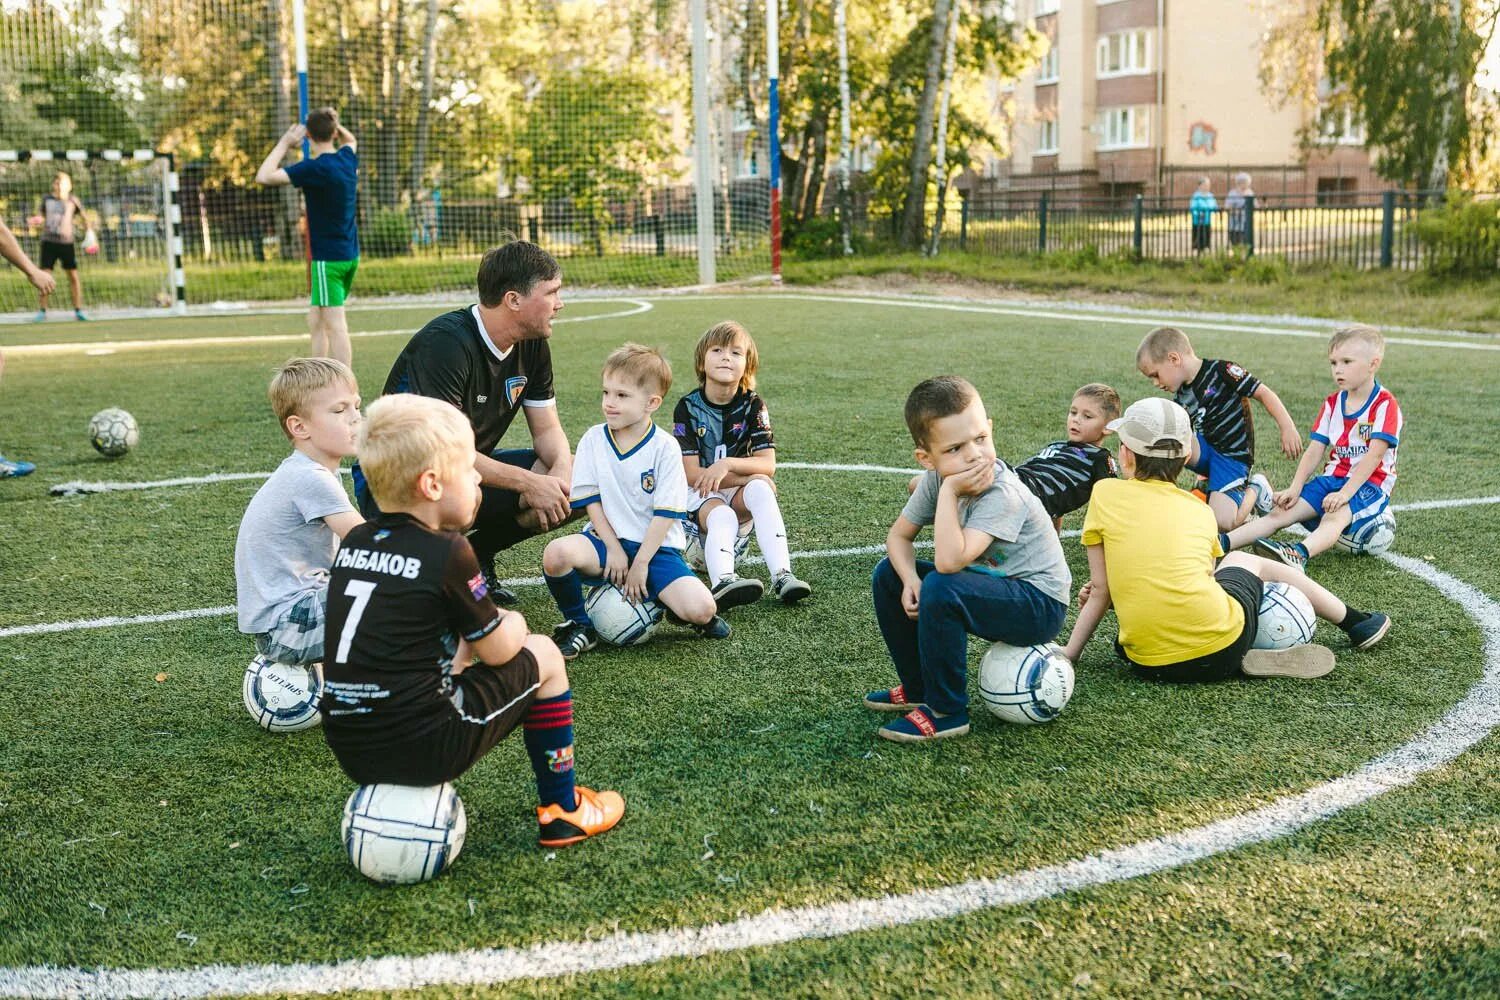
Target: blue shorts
666 567
1368 503
1225 475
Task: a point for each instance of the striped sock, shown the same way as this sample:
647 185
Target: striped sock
567 591
547 731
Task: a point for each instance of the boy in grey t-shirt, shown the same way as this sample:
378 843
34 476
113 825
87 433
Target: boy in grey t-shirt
997 571
291 529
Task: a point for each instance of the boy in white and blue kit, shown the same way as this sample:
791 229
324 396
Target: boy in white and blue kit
292 526
628 476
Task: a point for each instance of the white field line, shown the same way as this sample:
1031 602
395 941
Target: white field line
1464 725
110 346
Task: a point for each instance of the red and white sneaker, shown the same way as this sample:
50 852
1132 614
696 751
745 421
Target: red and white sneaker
891 700
596 813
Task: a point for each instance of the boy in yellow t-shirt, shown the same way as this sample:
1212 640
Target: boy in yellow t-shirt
1151 550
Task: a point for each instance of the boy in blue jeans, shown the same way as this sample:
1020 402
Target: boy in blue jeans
997 570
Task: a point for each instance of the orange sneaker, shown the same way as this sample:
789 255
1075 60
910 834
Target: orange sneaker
596 813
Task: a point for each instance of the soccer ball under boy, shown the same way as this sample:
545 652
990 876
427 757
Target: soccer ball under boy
692 551
619 622
113 432
1025 684
1286 618
400 834
282 697
1373 535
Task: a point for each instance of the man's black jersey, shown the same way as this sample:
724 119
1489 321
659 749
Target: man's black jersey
399 596
1218 400
452 359
1063 474
737 429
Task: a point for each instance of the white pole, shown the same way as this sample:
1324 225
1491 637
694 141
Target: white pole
841 22
299 36
942 129
703 169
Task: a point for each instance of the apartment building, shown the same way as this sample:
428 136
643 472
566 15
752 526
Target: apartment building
1145 96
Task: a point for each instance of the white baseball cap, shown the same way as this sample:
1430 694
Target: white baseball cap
1155 428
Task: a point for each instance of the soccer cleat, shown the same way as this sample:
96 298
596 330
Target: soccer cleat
11 468
714 628
732 591
1284 551
921 726
1305 662
1265 497
78 315
502 595
890 700
595 813
574 639
40 317
788 588
1370 631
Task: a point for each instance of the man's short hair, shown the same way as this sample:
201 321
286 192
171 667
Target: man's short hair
935 399
517 267
321 124
726 334
405 435
1161 342
295 382
1106 397
1165 469
647 367
1361 332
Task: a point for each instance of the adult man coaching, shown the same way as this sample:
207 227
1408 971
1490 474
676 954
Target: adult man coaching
44 283
329 179
492 361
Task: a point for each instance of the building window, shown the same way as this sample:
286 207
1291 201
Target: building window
1123 53
1123 128
1048 71
1046 136
1341 127
1047 7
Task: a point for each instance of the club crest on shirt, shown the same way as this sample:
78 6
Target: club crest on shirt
1362 434
514 386
737 428
478 587
1235 371
764 418
648 480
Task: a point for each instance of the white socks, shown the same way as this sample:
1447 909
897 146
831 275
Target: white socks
770 530
718 542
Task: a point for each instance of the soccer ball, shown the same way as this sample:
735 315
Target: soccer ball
1286 618
619 622
692 551
400 834
1025 684
282 697
1371 536
113 432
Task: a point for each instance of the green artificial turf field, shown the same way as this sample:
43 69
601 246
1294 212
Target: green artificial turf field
146 823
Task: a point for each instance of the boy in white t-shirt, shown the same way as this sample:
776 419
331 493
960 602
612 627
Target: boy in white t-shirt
628 476
291 529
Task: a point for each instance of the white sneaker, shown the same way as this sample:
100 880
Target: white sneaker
1265 497
1304 662
788 588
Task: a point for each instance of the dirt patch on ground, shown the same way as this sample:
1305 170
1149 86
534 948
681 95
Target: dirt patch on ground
950 287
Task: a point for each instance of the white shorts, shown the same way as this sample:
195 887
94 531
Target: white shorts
697 500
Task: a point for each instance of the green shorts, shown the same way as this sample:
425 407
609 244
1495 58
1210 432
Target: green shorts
331 281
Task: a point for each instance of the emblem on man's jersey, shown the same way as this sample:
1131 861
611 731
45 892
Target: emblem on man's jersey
1235 371
1362 433
514 386
702 431
478 587
648 480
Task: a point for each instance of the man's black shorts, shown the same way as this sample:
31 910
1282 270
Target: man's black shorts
488 702
59 253
1244 587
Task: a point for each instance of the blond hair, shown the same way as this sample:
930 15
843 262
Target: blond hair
1359 331
1106 397
647 367
1161 342
295 382
726 334
404 436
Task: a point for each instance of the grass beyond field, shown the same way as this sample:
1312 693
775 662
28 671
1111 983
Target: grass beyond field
146 823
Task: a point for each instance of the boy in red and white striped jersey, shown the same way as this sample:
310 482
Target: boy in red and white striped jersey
1355 436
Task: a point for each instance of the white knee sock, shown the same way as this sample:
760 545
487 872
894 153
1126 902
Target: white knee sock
770 530
718 542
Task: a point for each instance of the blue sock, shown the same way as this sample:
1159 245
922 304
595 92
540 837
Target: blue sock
1224 543
567 591
548 732
1302 549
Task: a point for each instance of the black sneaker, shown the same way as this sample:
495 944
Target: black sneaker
714 628
499 593
1370 631
732 591
574 639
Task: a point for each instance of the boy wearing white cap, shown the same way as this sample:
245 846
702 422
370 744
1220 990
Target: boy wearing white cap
1151 550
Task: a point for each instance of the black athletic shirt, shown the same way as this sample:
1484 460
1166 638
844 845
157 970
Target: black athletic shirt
398 597
1063 474
736 429
1218 400
453 360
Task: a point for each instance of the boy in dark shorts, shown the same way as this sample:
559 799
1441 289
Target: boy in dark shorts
408 612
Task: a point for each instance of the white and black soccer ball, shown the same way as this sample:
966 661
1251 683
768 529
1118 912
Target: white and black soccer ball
283 697
400 834
1286 618
1371 536
1025 684
113 432
619 622
692 550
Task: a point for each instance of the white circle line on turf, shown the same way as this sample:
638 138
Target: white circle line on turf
1464 725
